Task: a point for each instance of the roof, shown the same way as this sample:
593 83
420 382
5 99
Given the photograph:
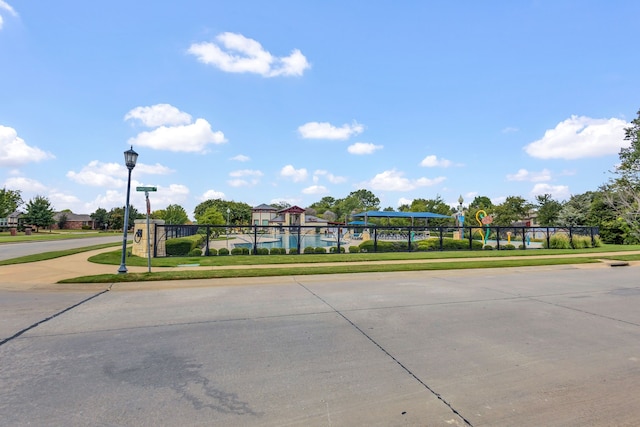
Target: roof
292 209
393 214
264 207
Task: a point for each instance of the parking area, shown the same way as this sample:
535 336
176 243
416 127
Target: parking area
552 346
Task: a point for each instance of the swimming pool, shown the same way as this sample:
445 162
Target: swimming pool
289 241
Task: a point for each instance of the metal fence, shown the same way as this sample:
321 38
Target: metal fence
341 238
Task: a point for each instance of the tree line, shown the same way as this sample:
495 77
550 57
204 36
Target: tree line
614 207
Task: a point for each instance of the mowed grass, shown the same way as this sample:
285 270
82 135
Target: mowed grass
20 237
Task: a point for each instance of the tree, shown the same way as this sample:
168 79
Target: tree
211 217
39 212
514 208
116 217
10 201
281 205
100 217
174 214
622 194
436 205
239 213
548 209
62 220
367 201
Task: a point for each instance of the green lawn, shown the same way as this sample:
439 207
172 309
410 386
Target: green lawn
6 237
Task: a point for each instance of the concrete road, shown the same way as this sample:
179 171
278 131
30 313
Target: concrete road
14 250
545 346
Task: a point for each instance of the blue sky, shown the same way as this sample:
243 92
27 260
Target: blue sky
260 102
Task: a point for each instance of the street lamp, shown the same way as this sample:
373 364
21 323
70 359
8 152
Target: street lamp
130 158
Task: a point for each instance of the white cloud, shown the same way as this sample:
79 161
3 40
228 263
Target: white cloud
324 130
15 152
25 184
433 161
579 137
165 196
525 175
159 115
363 148
560 192
61 201
241 158
186 138
212 194
297 175
393 180
4 6
404 201
99 174
334 179
316 189
235 53
245 172
510 130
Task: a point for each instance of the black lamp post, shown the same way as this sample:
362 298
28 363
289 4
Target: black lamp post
130 158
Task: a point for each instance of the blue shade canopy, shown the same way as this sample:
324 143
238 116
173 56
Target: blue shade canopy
357 223
391 214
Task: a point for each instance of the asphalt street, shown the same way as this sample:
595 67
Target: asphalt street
545 346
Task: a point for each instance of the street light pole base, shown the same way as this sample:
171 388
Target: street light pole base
122 269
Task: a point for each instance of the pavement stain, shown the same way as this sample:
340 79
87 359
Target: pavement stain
183 376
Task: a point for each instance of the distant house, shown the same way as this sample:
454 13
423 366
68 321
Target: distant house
266 215
74 221
14 220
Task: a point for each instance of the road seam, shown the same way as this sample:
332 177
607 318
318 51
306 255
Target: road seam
425 385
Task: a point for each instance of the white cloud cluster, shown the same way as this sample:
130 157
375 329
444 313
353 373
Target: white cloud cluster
334 179
241 158
579 137
393 180
158 115
235 53
315 190
15 152
212 194
174 131
241 177
560 192
296 175
111 175
325 130
25 184
433 161
360 148
4 6
525 175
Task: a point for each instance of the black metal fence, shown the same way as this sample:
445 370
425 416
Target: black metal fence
341 238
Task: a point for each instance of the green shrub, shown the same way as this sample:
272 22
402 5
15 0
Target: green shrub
276 251
86 227
262 251
292 251
223 252
334 249
521 246
309 250
213 252
487 247
507 247
597 242
320 250
179 247
581 242
354 249
195 252
236 251
246 251
558 241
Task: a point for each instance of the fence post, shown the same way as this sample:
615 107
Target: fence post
441 237
498 238
255 239
206 250
571 236
375 239
298 243
470 233
593 239
339 237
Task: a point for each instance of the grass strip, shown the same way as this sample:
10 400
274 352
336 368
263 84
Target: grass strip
309 270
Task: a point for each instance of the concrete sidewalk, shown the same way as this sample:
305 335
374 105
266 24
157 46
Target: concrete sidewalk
44 274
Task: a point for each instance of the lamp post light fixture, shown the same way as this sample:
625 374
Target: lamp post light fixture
130 158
